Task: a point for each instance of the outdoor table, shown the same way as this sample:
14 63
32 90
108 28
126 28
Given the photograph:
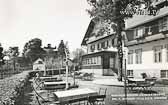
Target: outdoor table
139 84
63 96
136 79
55 85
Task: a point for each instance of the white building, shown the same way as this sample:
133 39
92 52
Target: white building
147 42
39 65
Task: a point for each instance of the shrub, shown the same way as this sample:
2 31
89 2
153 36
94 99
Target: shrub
12 87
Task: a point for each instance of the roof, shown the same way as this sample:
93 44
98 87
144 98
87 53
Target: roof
38 61
141 19
88 32
95 27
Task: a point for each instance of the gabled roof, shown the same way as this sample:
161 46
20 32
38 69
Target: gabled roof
39 61
141 19
88 32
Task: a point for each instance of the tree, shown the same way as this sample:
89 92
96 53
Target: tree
32 50
61 51
117 11
1 56
13 54
77 56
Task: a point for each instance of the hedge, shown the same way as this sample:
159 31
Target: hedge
12 88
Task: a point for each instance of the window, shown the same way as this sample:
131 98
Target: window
99 60
148 30
157 54
130 57
103 45
88 61
92 48
98 46
163 26
139 32
138 56
94 59
167 52
111 62
130 73
112 42
164 73
106 44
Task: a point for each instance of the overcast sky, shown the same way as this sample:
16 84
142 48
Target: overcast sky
49 20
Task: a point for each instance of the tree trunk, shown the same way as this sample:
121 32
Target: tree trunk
120 49
14 67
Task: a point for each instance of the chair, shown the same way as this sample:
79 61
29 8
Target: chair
44 100
100 98
37 83
104 90
97 99
77 101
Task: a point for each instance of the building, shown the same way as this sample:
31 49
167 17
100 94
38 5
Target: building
101 57
51 59
147 43
39 65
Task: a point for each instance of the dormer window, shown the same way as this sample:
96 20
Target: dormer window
98 46
92 48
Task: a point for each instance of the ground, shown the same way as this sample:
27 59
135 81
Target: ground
29 98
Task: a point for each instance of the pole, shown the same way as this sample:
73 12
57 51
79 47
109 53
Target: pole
66 74
66 55
125 82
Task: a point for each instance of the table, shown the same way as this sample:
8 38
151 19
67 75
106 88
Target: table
63 96
136 79
55 85
139 84
49 78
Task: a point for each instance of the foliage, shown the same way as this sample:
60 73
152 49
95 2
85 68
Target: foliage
12 88
63 51
77 56
61 48
13 52
112 11
1 56
32 50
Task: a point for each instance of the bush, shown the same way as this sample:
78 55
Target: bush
12 88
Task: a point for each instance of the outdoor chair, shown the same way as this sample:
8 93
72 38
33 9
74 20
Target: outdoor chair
37 84
102 91
77 101
98 99
44 100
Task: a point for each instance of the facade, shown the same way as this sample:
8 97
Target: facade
147 43
51 59
101 57
39 65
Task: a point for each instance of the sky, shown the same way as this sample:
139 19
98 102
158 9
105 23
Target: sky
49 20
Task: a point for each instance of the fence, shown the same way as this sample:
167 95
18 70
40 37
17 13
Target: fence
8 72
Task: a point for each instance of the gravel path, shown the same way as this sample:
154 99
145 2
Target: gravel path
29 98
